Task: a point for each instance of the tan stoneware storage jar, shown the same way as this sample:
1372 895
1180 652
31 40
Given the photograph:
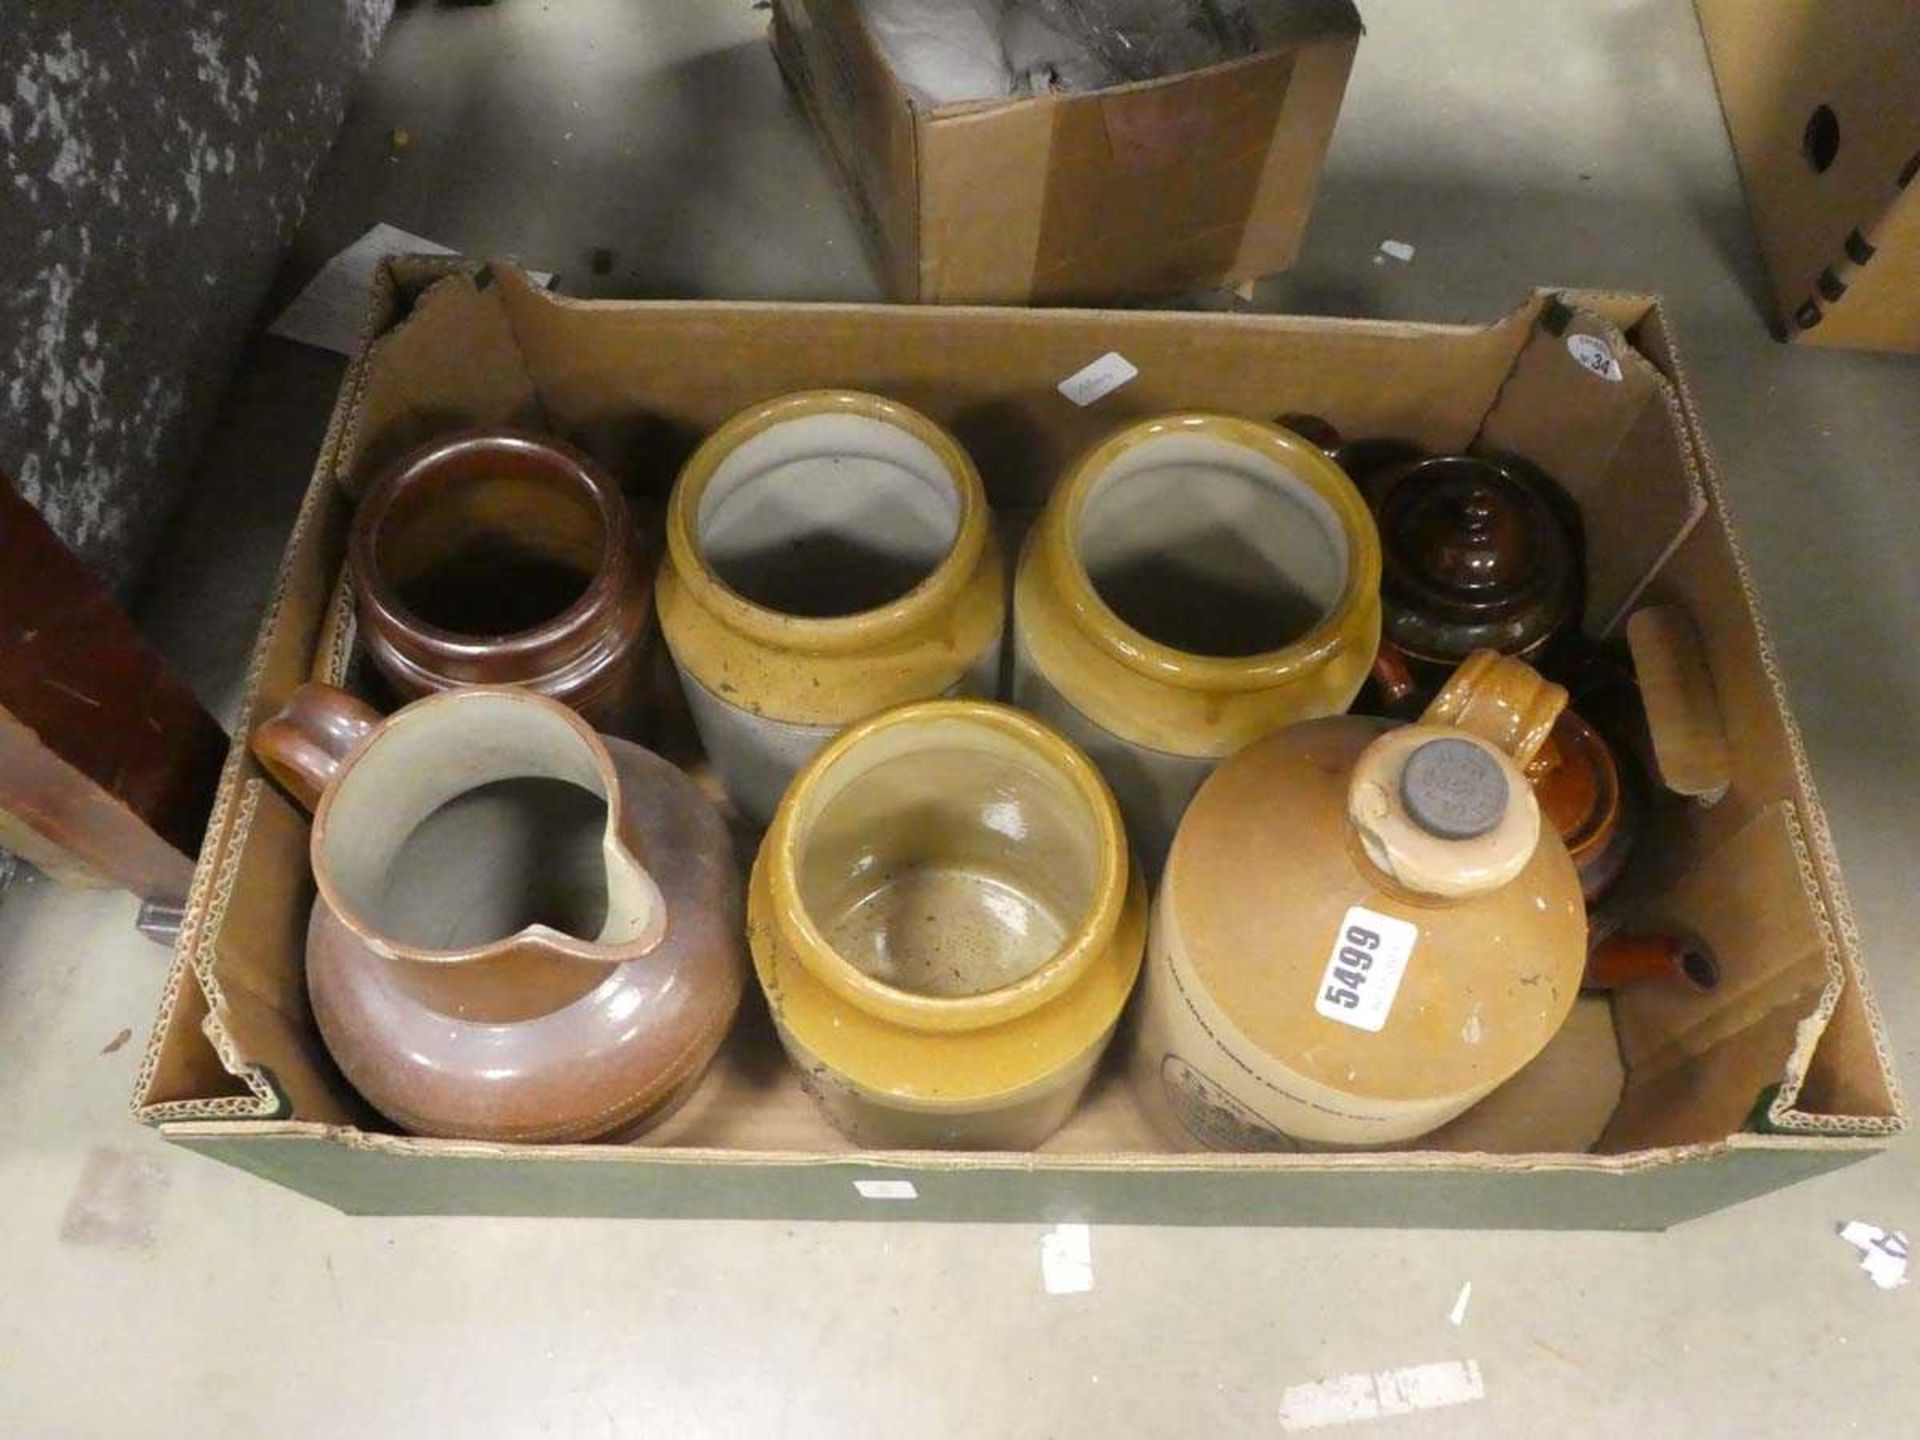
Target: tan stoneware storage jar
1195 582
496 557
829 554
1363 928
524 930
947 926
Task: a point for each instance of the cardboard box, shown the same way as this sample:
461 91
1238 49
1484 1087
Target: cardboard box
1819 100
1146 189
1780 1074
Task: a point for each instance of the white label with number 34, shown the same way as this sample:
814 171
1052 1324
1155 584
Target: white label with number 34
1363 974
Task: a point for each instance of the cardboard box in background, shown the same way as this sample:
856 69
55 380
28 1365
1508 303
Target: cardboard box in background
1822 101
1136 191
1779 1074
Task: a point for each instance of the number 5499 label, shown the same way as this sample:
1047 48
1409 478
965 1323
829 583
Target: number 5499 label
1363 974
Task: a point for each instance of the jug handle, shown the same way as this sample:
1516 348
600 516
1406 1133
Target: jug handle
1502 701
304 745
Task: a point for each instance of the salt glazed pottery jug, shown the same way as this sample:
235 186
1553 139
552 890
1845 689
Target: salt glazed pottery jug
829 554
524 931
946 926
1364 926
1195 582
502 558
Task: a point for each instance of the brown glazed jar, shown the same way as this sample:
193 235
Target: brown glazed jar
524 931
1479 553
497 557
1587 797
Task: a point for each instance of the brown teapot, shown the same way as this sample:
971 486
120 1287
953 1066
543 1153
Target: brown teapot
1478 553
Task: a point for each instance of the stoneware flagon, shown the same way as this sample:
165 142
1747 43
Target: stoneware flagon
496 557
1195 582
829 554
947 926
1364 927
524 930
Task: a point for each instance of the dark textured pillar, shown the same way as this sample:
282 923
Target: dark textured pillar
154 160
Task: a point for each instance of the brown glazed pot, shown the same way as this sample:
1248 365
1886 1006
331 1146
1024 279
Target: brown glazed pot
1479 553
1587 796
503 558
524 931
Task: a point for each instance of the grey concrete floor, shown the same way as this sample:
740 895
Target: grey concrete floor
1511 143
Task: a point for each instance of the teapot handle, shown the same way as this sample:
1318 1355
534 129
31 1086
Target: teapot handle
1393 679
304 745
1502 701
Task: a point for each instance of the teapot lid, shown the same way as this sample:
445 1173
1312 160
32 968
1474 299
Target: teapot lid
1478 553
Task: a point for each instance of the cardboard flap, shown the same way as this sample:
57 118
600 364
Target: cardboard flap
1752 902
407 390
1584 405
250 960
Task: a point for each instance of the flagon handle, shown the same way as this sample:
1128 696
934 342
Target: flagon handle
1502 701
304 745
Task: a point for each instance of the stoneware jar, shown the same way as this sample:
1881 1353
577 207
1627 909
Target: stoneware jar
829 554
946 926
1364 927
1195 582
524 931
1589 798
501 558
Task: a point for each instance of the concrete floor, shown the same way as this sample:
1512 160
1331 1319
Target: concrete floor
1511 143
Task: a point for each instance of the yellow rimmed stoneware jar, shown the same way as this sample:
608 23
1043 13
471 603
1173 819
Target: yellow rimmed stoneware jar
947 926
1364 926
829 554
1195 582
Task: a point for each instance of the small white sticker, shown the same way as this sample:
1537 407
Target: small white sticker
1066 1260
1594 354
886 1190
1102 377
1363 973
